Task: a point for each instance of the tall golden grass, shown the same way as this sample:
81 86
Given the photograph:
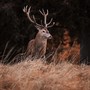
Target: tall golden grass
37 75
62 73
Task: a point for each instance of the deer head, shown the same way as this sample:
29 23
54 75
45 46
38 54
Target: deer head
43 29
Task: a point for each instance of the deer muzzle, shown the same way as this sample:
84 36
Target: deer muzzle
50 37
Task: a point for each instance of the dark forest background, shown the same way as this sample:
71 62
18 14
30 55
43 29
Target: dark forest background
16 30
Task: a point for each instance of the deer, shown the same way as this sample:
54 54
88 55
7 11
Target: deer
37 47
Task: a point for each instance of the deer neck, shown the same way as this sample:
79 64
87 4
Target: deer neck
40 40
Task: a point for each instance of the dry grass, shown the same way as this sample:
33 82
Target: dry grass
65 53
36 75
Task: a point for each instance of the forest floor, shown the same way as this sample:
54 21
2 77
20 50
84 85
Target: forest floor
37 75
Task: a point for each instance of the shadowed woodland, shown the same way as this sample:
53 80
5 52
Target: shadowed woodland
16 30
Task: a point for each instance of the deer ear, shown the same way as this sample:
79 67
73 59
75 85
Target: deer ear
38 27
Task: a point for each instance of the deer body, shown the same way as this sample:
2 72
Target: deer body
37 46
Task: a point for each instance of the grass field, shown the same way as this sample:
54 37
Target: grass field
37 75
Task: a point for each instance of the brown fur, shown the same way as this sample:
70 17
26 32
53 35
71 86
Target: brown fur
37 47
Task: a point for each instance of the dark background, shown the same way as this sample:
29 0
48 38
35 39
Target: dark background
16 30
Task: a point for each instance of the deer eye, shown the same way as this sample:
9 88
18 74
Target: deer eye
44 31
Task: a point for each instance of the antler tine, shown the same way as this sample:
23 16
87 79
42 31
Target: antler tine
50 21
24 9
41 12
47 12
34 18
51 25
36 22
29 10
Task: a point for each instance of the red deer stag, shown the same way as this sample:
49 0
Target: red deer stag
37 47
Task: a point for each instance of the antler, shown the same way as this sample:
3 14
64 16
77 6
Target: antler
47 25
28 11
33 19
